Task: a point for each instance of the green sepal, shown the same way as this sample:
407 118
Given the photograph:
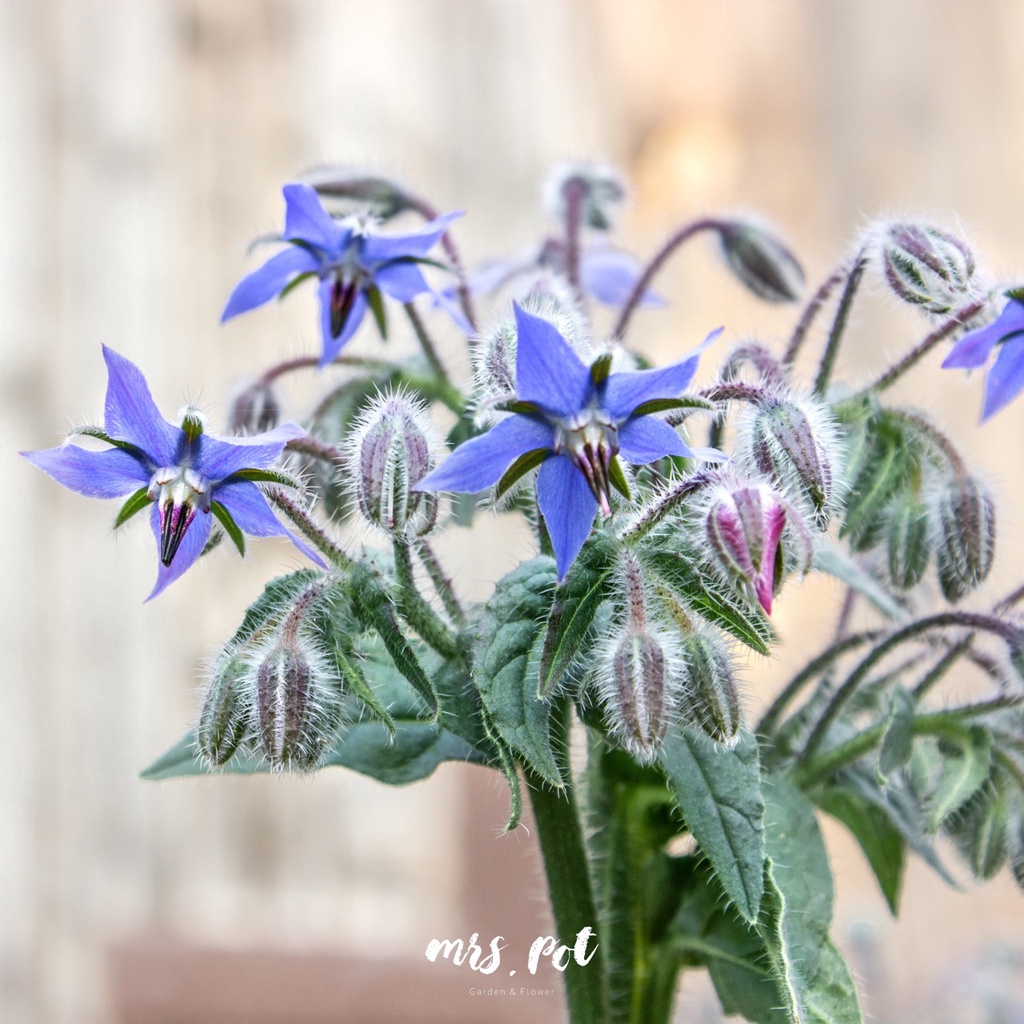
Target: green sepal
267 476
231 528
519 469
966 763
576 602
898 739
376 301
517 405
600 368
507 767
1016 294
102 435
352 677
296 281
136 503
693 402
191 426
617 476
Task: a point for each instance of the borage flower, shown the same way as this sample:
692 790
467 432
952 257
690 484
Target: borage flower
182 472
572 420
1005 380
354 264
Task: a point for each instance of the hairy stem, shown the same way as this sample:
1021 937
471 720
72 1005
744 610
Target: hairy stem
426 343
835 336
811 310
308 527
415 610
441 581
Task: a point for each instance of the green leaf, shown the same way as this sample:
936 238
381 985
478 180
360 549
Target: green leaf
572 613
231 528
373 606
719 794
276 599
519 469
136 503
507 660
898 741
376 301
965 769
880 840
697 590
830 559
354 681
831 997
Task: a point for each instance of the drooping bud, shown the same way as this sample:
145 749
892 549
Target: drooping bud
349 188
712 698
794 443
927 267
761 261
224 718
602 193
979 830
744 526
908 542
255 409
965 523
391 449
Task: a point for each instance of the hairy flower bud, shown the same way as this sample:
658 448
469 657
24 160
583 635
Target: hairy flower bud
965 518
602 193
794 443
391 449
926 267
224 718
979 830
255 409
297 704
712 700
359 190
743 527
761 262
639 706
908 542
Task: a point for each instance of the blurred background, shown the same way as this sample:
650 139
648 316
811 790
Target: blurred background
143 147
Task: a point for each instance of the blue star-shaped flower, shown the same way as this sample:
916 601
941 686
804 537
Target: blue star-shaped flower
1005 380
184 473
576 419
352 260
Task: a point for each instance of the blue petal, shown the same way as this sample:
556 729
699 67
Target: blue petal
402 281
973 349
306 219
449 302
568 508
217 458
332 345
624 392
263 284
384 248
611 276
108 474
1005 380
647 438
190 548
131 414
548 372
480 461
248 505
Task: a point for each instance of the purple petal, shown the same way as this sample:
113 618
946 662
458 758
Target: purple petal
480 461
568 506
548 372
647 438
131 414
306 219
624 392
384 248
263 284
449 302
402 281
248 505
216 459
611 276
1005 380
107 474
283 433
974 348
332 345
190 548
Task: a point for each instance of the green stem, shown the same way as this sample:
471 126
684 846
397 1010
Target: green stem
811 311
572 900
308 527
415 610
835 336
441 581
426 343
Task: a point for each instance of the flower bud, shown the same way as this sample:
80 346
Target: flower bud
712 700
927 267
297 705
761 262
602 193
224 719
255 410
979 830
966 526
393 448
743 527
638 702
794 443
358 190
908 542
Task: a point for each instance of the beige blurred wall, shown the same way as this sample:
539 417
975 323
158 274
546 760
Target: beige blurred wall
144 145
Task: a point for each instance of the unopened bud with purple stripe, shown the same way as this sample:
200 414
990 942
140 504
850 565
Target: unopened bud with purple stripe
712 698
927 267
965 519
224 718
761 261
